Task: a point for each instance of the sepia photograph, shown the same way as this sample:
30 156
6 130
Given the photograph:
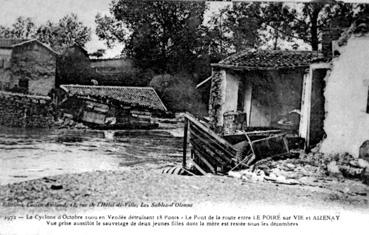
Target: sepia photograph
163 116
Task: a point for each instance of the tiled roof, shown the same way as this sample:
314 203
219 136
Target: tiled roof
269 59
9 94
8 43
141 96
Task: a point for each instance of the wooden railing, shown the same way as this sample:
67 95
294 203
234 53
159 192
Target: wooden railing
209 152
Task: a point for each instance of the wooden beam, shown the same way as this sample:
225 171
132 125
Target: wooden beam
203 82
305 105
211 168
215 147
211 156
185 138
199 168
210 132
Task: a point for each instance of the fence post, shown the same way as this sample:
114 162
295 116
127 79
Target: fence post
185 136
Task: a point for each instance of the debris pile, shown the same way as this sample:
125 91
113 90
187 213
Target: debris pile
67 122
307 169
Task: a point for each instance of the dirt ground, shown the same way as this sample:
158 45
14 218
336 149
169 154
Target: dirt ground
148 184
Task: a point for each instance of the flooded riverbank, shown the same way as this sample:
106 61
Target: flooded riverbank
29 154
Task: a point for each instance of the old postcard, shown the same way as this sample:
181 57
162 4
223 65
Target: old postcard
162 117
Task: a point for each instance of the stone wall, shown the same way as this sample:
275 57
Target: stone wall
18 110
217 99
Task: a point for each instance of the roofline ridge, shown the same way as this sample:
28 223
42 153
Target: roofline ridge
36 40
102 86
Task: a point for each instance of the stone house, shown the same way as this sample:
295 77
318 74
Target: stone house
74 67
321 97
6 47
29 67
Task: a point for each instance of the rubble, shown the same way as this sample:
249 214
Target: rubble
313 169
333 169
365 176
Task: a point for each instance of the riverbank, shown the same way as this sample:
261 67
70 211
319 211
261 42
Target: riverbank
147 184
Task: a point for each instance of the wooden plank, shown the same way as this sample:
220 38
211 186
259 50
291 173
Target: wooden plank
229 151
227 157
208 131
211 168
185 138
199 168
211 156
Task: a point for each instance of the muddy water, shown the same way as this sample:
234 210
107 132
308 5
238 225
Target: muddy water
30 154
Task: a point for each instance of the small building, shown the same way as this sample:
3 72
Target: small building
28 67
112 106
73 66
323 98
270 87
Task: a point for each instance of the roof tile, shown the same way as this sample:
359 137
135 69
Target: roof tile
142 96
271 59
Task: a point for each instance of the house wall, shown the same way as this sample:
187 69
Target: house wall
347 122
73 67
274 95
35 63
231 95
5 53
5 77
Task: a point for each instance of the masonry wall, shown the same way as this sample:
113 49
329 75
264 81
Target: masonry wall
23 111
217 99
5 74
111 65
35 63
346 96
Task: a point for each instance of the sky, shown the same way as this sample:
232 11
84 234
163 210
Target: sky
42 10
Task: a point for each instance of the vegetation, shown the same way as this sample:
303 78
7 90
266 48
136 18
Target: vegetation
66 32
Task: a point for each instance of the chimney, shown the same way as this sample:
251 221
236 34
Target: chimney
329 35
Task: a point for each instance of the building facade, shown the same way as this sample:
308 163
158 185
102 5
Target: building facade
28 67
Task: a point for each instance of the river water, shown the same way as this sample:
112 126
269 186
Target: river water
29 154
